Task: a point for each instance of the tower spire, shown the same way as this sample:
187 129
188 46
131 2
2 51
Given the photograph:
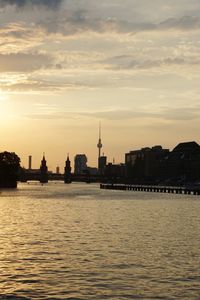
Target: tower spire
99 145
99 130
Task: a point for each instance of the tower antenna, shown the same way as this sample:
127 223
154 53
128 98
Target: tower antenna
100 130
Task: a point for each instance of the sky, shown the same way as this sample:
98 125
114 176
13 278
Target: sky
65 66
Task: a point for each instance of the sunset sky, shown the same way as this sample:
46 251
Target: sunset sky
65 65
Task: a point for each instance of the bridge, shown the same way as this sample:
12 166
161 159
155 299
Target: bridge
36 176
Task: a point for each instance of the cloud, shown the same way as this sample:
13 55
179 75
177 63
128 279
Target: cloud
182 113
69 22
25 83
93 49
118 114
85 16
76 22
173 115
24 3
19 37
24 62
183 23
109 115
128 62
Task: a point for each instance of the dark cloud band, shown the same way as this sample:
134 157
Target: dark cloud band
24 3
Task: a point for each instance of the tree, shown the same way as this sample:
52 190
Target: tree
9 168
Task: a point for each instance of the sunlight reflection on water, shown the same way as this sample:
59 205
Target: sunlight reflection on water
79 242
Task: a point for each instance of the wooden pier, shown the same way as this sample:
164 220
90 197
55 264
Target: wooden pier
152 188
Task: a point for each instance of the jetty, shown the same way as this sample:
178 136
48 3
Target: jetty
151 188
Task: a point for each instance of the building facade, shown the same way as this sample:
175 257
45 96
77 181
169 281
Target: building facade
80 164
145 165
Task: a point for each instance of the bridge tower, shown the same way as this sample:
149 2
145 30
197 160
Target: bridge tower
43 170
67 174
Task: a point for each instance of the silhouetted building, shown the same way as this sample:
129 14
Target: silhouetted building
43 171
67 174
57 170
102 164
182 165
157 165
144 166
80 163
114 173
92 170
30 162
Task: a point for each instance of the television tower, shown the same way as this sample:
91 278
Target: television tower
99 145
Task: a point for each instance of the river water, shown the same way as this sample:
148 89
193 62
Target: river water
79 242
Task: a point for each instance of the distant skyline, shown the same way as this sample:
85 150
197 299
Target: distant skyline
66 65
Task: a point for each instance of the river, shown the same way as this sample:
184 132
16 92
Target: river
79 242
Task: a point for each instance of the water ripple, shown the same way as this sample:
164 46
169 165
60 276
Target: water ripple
79 242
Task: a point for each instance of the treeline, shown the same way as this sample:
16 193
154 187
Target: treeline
9 169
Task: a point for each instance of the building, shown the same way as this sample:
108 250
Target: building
182 165
80 164
92 170
102 161
114 173
144 165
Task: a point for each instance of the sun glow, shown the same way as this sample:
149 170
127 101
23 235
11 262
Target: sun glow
3 98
